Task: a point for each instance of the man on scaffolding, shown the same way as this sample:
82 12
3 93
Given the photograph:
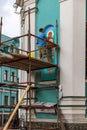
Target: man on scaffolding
41 44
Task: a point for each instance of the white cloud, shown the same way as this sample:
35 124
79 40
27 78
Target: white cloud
11 21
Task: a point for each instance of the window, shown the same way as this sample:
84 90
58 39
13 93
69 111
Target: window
12 48
6 100
12 100
13 77
6 75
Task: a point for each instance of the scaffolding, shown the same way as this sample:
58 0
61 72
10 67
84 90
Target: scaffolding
29 64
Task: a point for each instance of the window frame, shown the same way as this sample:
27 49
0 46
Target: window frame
6 100
6 75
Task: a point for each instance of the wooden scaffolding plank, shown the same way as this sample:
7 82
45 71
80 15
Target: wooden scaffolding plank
22 62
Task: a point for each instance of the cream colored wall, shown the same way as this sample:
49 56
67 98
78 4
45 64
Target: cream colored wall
72 50
72 58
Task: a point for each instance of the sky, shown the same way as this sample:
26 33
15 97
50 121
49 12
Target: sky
10 20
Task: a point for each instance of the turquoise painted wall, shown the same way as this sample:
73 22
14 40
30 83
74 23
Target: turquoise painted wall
48 12
13 42
10 70
0 74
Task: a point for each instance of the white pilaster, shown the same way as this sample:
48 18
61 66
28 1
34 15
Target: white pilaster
72 48
28 5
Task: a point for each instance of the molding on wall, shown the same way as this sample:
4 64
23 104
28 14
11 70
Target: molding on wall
63 1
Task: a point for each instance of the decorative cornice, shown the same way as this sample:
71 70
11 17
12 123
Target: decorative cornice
34 9
30 2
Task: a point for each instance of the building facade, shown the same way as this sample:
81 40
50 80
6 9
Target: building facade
38 20
71 16
8 95
72 56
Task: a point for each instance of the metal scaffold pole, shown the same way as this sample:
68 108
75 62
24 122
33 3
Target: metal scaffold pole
16 108
0 28
29 71
57 68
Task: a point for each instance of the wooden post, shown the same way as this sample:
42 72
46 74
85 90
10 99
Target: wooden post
16 108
